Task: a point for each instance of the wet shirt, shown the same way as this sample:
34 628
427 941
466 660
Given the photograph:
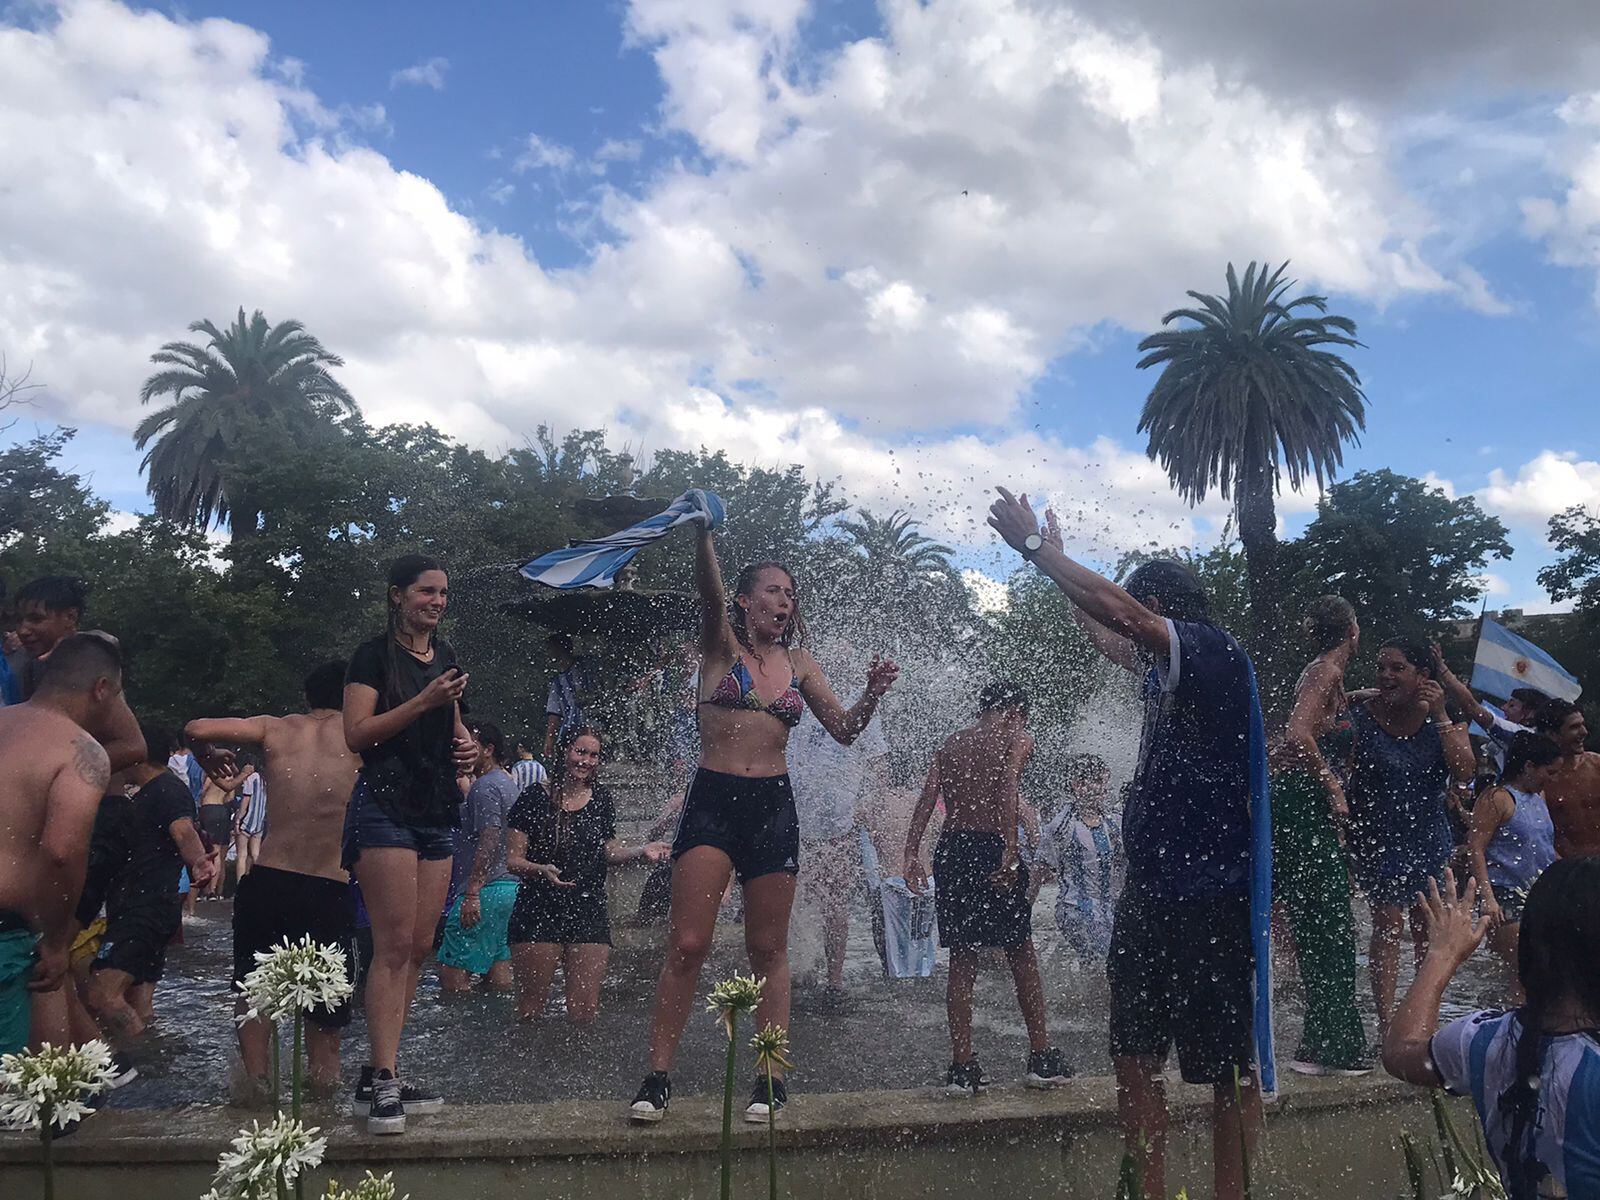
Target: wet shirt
412 776
1476 1056
829 778
575 841
489 805
153 863
1186 824
1398 820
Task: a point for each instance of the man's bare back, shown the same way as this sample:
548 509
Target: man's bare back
978 769
1573 798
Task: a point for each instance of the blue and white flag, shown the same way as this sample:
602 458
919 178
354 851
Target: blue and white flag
1506 661
1261 892
595 563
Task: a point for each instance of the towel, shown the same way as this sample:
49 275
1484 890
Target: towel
595 563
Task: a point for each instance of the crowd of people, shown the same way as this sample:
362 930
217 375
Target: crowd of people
391 805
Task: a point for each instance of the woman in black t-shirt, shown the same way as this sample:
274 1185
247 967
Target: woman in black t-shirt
559 844
402 714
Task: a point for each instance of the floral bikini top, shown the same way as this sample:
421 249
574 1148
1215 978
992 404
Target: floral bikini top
738 690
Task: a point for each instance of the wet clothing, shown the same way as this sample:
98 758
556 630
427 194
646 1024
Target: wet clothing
368 826
751 820
1181 971
17 958
1088 863
1310 880
527 772
971 910
476 950
153 862
412 776
1186 824
575 842
738 690
1522 847
1476 1056
1399 830
272 905
563 701
137 936
108 852
253 806
216 823
489 804
829 778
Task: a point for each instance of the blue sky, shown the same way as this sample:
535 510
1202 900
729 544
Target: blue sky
911 245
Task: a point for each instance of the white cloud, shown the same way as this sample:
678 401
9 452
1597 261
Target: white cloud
989 595
540 153
429 74
1542 487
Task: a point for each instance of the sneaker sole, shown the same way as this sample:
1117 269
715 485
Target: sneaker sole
755 1118
386 1125
1310 1069
418 1108
960 1092
123 1080
1043 1083
645 1113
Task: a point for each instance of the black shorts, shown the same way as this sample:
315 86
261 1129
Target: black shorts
559 916
137 935
971 910
1184 971
271 905
752 821
216 822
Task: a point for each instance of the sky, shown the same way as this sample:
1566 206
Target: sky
911 244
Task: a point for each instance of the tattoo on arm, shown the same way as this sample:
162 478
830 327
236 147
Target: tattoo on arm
90 761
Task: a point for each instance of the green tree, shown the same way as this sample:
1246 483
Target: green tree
893 555
1405 554
49 518
1221 571
251 377
1249 394
1575 535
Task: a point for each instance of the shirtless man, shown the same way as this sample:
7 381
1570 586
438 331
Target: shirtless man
52 775
1573 793
980 883
297 886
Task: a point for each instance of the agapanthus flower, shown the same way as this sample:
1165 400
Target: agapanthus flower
261 1155
373 1187
734 996
772 1047
51 1084
295 977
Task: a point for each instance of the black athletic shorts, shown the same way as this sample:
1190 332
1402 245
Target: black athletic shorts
559 916
216 822
137 935
752 821
271 905
971 910
1183 971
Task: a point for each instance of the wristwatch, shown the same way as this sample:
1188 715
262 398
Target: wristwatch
1031 545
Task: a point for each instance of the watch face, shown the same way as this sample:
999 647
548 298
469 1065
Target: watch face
1034 542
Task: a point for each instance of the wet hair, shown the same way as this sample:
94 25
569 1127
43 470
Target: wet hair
325 686
558 774
490 738
1555 960
56 593
160 743
562 643
1413 651
794 633
1001 695
78 662
403 572
1532 697
1528 750
1327 621
1553 714
1174 586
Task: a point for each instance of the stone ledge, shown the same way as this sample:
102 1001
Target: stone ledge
599 1128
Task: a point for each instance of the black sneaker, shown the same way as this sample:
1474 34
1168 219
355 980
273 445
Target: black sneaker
419 1102
965 1079
655 1093
385 1112
758 1111
1047 1069
123 1072
1304 1064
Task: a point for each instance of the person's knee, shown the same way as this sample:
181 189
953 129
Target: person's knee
687 948
392 953
766 949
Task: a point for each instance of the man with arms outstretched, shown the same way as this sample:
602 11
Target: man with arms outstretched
1181 966
297 886
52 775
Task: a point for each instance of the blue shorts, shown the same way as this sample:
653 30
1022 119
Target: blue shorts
477 949
368 827
17 958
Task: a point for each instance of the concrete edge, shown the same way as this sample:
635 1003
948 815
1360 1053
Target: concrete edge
599 1128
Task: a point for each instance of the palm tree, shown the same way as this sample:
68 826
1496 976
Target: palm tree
893 554
1247 394
251 378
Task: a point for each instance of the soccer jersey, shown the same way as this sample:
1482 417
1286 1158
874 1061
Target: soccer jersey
528 772
1476 1056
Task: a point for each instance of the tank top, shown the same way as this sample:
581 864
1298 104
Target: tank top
1397 793
1524 846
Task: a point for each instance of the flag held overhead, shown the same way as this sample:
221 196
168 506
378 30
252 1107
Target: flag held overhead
1505 662
595 563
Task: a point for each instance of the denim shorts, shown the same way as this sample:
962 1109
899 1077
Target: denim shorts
368 827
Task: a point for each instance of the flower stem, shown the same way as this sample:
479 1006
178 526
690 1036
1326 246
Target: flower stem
727 1106
49 1157
276 1071
294 1065
772 1140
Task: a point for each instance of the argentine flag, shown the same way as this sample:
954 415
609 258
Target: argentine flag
595 563
1506 661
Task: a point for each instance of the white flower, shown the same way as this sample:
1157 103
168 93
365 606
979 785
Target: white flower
294 977
51 1084
733 997
373 1187
261 1155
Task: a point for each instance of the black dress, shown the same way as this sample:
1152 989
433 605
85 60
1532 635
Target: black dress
564 916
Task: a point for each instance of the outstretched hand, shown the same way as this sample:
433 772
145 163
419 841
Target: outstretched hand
1051 532
881 674
1013 519
1454 929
